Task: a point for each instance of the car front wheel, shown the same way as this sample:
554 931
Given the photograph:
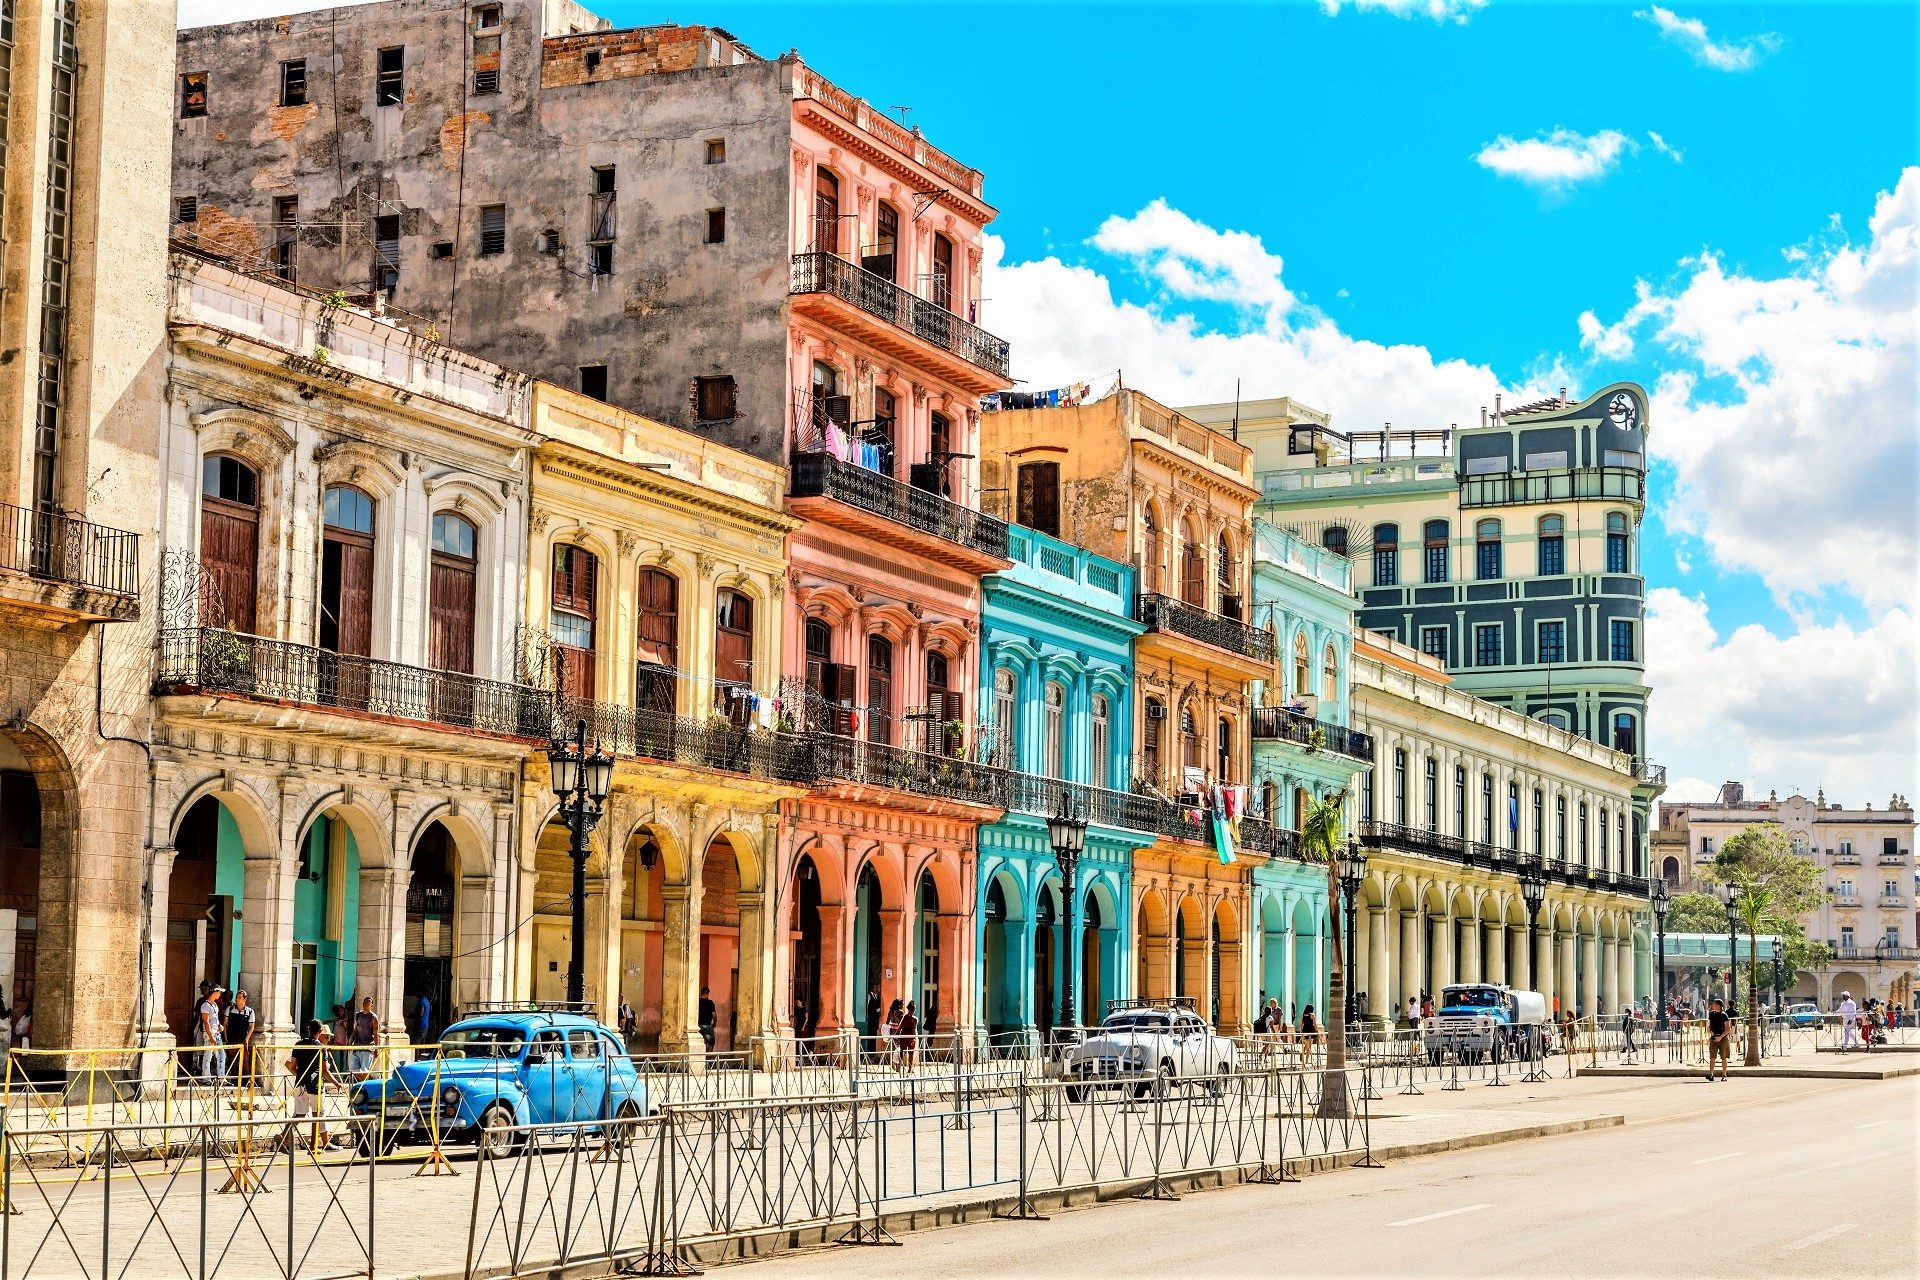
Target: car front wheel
495 1134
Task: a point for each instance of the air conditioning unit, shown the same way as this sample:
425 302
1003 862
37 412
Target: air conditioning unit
1156 711
1188 800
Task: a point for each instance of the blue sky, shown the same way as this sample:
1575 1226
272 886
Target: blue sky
1394 208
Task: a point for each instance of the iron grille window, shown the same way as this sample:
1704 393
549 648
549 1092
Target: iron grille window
1560 827
1334 539
1460 800
1513 816
493 230
1553 546
1617 550
1620 635
1486 808
390 77
1433 794
1553 642
1487 551
1386 555
1399 787
1539 822
1585 848
293 82
1486 645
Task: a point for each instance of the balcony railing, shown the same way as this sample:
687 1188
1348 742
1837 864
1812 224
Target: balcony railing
821 475
1165 613
832 758
1893 899
881 297
1876 953
213 660
1844 859
1478 853
713 744
1515 488
1892 859
58 548
1030 793
1847 900
1649 774
1281 725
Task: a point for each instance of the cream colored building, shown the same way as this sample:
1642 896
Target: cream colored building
84 124
338 735
656 582
1462 793
1866 856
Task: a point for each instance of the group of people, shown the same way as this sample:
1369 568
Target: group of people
896 1039
225 1029
1307 1035
16 1026
1869 1023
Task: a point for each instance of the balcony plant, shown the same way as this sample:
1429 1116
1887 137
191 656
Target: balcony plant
226 661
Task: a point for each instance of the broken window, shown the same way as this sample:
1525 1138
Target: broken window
390 77
386 252
286 235
493 230
713 398
293 82
600 259
716 226
193 95
486 49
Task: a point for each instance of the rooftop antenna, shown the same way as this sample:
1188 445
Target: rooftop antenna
1236 411
902 110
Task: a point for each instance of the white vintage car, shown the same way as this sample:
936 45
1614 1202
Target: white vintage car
1148 1045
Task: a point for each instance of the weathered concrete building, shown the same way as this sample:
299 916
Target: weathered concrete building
646 214
83 147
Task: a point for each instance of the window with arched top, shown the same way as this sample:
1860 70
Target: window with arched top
1486 550
1334 539
946 704
1329 681
450 594
1151 551
733 654
882 257
1553 546
1386 555
1625 733
229 542
346 572
940 278
826 211
1302 665
574 611
1223 580
1153 720
1053 730
879 689
1193 567
1101 761
657 642
1005 692
1619 548
1434 548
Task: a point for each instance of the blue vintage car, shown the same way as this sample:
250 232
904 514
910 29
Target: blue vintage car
498 1071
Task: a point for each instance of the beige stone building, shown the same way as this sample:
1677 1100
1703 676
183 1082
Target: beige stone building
338 732
1866 856
84 132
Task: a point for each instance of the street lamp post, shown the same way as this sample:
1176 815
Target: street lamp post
1779 954
1067 832
580 783
1660 899
1733 951
1353 867
1533 890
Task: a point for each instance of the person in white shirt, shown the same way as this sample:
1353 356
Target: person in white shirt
1849 1018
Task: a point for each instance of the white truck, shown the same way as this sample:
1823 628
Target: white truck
1477 1020
1148 1044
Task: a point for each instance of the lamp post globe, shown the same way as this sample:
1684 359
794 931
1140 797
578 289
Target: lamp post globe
1067 833
1533 891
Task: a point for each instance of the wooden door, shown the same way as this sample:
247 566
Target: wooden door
229 544
733 656
575 574
657 603
450 594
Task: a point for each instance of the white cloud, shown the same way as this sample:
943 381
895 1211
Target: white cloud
1557 159
1438 10
1066 325
1828 706
1691 34
207 13
1661 145
1791 415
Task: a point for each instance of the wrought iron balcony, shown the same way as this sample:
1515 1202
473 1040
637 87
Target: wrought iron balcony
1876 953
817 474
1033 794
212 660
880 297
718 743
1514 488
1281 725
832 758
1166 613
1478 853
59 548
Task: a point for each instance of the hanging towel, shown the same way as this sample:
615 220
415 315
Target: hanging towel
1222 839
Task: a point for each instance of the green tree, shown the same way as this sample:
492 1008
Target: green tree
1696 913
1320 838
1773 887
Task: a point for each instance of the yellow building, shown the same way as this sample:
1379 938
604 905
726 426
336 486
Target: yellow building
1137 482
657 565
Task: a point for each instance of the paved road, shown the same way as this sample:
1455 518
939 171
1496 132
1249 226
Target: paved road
1824 1181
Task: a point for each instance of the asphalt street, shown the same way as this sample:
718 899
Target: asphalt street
1823 1182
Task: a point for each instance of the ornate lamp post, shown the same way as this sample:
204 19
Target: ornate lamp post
1533 890
1779 954
580 782
1067 833
1353 868
1660 899
1733 951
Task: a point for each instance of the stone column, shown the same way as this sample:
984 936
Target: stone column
680 970
1442 952
1609 977
1540 964
1627 961
1567 975
1493 952
381 947
1469 968
1410 976
1589 974
155 1032
750 1001
476 960
1380 983
266 941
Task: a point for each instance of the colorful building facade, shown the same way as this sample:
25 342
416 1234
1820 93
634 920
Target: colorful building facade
1057 636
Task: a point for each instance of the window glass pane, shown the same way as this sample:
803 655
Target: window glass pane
452 535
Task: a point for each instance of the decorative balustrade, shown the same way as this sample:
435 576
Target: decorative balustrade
882 298
821 475
1281 725
217 661
1649 774
59 548
1166 613
718 743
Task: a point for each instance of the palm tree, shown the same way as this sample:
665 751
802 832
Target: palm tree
1320 838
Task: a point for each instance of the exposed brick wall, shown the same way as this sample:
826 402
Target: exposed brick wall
642 51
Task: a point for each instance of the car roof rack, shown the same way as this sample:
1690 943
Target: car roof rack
582 1007
1189 1003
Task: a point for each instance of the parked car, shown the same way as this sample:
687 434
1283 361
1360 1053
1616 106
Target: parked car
1805 1014
1148 1045
497 1071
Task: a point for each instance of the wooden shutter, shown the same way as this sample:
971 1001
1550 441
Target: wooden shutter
1039 497
450 614
839 693
230 554
356 594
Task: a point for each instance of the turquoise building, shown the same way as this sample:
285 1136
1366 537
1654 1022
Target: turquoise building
1302 749
1057 667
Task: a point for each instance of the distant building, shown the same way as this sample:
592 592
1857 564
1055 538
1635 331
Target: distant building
1866 855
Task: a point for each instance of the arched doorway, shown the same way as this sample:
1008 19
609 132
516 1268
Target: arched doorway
1044 981
867 951
204 894
1192 936
1097 960
432 895
326 921
20 840
1152 979
1001 940
926 935
642 932
806 948
720 941
1306 961
1273 953
553 918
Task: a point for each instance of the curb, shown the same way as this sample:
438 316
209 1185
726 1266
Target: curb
1761 1073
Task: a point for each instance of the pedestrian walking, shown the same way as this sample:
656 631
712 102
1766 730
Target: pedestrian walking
239 1027
1849 1020
904 1034
887 1038
366 1034
874 1028
423 1020
208 1029
709 1018
307 1064
1413 1012
629 1024
1309 1036
1626 1031
1719 1037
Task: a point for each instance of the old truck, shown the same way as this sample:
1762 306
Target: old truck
1477 1020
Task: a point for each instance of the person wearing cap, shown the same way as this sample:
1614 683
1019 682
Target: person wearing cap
307 1064
239 1038
1849 1020
209 1024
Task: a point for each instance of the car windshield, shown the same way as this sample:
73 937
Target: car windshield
1136 1022
483 1042
1468 997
